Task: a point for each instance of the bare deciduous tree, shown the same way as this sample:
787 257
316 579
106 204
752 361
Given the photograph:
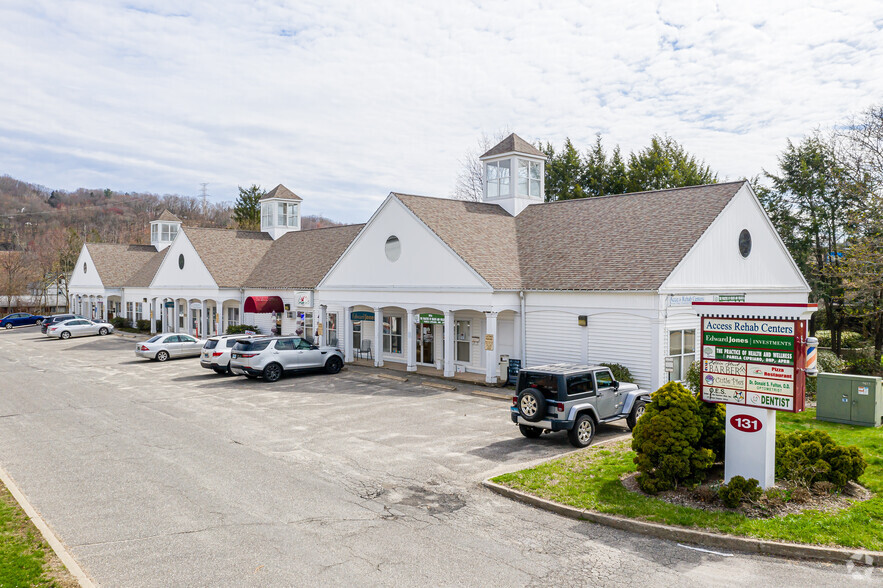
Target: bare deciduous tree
470 180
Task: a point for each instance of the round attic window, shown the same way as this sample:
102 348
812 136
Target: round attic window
181 261
393 248
84 267
745 243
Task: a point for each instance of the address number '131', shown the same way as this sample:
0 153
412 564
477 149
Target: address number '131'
746 423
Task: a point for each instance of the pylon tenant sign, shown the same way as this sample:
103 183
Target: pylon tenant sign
754 354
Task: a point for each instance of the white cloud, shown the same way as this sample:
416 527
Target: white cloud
346 101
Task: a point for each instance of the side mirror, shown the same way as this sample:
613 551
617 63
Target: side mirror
615 385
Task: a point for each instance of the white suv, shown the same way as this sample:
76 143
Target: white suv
269 358
215 353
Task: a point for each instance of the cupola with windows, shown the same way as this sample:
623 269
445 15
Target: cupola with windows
513 174
280 212
164 230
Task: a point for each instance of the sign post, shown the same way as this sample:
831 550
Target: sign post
754 361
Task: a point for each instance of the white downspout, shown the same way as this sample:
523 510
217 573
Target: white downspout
523 330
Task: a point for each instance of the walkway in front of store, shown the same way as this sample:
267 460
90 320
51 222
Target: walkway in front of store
423 370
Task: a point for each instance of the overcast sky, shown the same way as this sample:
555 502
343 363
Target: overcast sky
343 102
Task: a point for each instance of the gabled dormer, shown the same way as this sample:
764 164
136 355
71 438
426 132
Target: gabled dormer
280 212
513 174
164 230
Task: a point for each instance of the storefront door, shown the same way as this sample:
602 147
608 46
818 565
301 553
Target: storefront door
425 353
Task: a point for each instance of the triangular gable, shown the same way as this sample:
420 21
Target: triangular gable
85 274
425 260
194 273
714 263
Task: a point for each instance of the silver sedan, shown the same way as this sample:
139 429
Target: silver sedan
78 328
162 347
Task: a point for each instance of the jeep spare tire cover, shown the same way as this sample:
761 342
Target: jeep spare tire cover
531 405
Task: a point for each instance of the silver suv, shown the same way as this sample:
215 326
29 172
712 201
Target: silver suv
573 398
273 356
216 352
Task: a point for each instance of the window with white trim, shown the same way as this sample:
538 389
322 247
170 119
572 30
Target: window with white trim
392 334
232 316
463 338
529 175
498 173
682 351
331 329
267 215
287 214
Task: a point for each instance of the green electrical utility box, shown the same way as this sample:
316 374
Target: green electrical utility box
854 400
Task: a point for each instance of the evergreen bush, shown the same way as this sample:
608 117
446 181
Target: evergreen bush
143 325
241 329
667 441
620 372
737 490
120 322
807 457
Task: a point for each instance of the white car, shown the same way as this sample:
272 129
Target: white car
78 327
216 352
165 345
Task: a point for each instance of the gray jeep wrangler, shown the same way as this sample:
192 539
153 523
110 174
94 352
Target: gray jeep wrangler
573 398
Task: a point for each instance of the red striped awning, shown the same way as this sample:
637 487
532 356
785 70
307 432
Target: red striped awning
264 304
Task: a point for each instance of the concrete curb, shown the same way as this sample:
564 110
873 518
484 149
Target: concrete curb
495 395
703 538
69 562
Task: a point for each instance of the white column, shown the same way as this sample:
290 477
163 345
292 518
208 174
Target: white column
411 354
348 334
188 324
152 307
323 314
449 344
218 317
163 315
203 319
378 336
491 361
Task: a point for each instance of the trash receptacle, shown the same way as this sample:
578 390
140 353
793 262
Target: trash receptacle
850 399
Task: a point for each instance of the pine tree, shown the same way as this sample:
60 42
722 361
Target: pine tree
247 208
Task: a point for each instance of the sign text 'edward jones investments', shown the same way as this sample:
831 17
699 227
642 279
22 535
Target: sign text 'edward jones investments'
751 362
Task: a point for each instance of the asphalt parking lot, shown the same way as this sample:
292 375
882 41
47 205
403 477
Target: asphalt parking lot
169 475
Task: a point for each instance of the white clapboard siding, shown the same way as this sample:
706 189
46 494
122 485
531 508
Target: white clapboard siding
625 339
554 337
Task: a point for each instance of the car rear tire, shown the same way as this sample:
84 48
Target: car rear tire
530 432
583 431
637 412
162 355
272 372
8 325
102 331
333 365
64 335
531 405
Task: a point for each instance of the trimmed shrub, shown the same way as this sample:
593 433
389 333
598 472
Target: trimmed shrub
143 325
737 490
120 322
866 366
241 329
620 372
807 457
666 440
714 427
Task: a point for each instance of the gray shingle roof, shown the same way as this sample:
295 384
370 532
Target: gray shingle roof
617 242
513 143
300 259
229 255
281 191
117 263
168 216
144 276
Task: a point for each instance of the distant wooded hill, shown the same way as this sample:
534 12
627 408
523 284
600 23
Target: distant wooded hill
29 211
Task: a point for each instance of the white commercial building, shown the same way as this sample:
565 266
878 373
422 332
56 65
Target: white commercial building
466 286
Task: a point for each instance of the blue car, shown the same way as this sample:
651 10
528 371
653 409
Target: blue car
20 319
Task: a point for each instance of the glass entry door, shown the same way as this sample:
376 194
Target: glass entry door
425 343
